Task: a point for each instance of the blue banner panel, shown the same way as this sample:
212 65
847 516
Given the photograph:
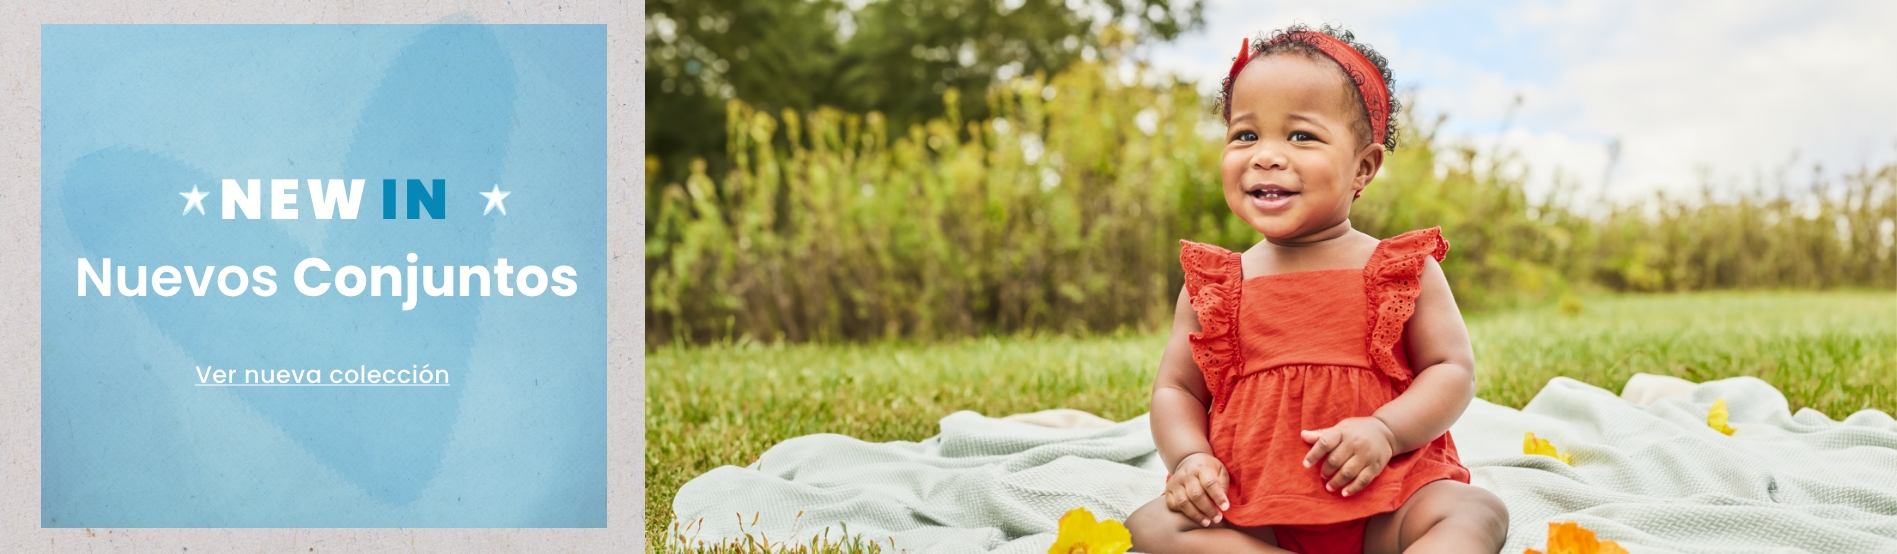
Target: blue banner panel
323 276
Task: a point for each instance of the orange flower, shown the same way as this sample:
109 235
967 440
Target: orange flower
1532 445
1570 538
1081 534
1716 418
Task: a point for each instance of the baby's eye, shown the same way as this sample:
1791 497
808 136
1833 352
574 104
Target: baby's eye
1246 136
1300 135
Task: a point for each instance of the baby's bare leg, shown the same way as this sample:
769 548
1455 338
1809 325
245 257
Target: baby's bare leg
1444 516
1159 530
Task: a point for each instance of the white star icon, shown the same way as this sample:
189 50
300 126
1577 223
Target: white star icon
494 200
196 199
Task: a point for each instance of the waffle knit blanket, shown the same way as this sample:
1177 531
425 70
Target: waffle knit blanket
1654 478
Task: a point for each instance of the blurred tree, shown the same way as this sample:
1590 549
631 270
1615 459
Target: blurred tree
892 56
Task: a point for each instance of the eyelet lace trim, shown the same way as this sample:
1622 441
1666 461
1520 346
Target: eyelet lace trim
1213 278
1392 281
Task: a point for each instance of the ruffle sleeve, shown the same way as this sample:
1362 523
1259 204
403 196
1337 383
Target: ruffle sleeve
1213 279
1392 281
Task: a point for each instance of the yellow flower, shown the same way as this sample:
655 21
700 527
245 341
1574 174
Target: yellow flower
1570 538
1081 534
1716 418
1532 445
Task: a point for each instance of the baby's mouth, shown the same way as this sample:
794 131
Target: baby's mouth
1270 192
1271 198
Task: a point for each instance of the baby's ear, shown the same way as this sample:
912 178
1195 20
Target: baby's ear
1369 161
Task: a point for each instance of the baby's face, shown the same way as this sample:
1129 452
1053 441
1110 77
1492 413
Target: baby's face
1292 163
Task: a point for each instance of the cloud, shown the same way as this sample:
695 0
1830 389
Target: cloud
1692 90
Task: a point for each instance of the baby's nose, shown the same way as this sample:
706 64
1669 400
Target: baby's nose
1267 158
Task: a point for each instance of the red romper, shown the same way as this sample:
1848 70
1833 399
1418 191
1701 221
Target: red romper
1295 351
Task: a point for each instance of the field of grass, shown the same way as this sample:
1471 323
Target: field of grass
1835 352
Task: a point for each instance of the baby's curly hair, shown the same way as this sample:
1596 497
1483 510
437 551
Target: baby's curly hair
1287 41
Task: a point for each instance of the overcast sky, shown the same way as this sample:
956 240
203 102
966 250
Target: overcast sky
1737 89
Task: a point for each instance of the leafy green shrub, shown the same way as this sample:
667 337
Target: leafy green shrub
1062 213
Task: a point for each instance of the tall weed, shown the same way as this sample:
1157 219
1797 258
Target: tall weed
1063 212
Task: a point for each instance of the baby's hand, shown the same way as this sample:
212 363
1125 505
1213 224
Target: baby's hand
1197 489
1352 452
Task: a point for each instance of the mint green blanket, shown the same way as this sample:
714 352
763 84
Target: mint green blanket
1655 478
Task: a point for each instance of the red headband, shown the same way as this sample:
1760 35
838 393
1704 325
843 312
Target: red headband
1369 80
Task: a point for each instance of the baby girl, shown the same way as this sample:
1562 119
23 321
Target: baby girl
1305 397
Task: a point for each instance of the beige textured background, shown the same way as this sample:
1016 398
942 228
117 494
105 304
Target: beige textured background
20 278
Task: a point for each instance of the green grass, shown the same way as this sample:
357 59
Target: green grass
1835 352
719 405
